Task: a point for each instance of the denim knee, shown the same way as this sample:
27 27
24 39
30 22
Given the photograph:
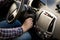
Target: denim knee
4 24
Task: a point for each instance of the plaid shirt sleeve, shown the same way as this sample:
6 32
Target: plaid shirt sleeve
10 33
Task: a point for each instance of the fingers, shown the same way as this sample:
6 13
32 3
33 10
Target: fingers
29 19
27 24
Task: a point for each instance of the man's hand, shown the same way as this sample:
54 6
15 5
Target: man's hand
27 24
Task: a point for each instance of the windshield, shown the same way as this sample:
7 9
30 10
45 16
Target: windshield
51 2
44 1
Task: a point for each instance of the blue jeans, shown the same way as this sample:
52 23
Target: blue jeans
25 36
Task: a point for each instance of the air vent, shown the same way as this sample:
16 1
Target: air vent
50 28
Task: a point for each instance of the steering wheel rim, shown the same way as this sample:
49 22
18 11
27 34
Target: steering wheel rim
11 17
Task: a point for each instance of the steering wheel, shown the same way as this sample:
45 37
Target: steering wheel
14 11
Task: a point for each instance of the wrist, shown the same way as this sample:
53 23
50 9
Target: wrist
23 28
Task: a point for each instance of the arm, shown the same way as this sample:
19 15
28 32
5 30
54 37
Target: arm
10 32
14 32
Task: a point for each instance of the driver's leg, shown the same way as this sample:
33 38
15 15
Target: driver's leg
4 24
25 36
